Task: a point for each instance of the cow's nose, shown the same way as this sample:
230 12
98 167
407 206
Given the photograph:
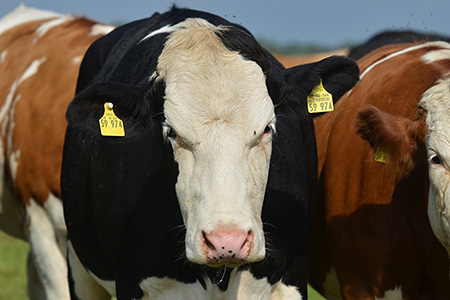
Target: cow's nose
227 246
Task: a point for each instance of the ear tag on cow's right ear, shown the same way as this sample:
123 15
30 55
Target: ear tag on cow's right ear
110 124
381 154
319 100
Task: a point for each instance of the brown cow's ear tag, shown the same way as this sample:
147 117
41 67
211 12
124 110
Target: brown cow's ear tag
110 124
319 100
381 154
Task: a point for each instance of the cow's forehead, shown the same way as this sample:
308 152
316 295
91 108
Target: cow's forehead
206 82
436 101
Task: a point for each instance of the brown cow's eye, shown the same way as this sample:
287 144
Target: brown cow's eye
436 160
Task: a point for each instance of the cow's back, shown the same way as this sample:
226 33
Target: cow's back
379 238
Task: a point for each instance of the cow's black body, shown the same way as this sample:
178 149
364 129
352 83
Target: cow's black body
120 203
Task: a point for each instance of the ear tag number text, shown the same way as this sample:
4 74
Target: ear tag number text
110 124
319 100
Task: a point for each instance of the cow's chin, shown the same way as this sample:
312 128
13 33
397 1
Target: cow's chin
225 262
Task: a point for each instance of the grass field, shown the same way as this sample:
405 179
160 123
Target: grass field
13 261
13 258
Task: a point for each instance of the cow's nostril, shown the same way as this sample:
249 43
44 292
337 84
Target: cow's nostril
207 242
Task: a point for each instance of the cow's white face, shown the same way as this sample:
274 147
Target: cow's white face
436 102
219 119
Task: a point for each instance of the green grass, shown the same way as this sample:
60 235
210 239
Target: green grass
13 264
13 274
313 295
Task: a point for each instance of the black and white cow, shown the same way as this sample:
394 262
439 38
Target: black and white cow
209 193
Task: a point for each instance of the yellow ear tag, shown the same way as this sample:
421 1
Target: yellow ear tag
319 100
381 154
110 124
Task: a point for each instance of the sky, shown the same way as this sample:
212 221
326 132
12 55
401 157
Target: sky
329 23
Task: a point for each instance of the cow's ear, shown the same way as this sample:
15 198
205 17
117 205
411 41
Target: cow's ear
397 137
338 74
132 105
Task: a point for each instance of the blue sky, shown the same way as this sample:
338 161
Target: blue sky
325 22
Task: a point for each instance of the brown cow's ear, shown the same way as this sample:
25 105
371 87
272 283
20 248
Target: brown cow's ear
399 136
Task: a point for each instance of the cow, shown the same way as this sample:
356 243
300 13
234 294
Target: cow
40 54
390 37
371 237
189 164
358 51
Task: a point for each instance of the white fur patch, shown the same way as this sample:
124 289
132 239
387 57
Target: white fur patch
218 104
242 285
48 258
436 55
54 208
3 56
395 294
7 106
101 29
188 23
32 69
77 60
14 163
45 27
7 113
164 29
23 14
283 292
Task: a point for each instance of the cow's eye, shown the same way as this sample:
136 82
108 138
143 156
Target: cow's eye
436 160
168 132
171 133
270 128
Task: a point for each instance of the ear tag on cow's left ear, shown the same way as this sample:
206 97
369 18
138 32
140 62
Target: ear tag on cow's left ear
319 100
110 124
381 154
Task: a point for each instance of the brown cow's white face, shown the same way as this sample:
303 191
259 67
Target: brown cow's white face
219 119
436 101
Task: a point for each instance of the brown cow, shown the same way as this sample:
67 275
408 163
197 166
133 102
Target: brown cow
40 53
374 178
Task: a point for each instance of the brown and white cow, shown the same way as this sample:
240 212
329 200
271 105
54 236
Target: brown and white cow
40 54
372 230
